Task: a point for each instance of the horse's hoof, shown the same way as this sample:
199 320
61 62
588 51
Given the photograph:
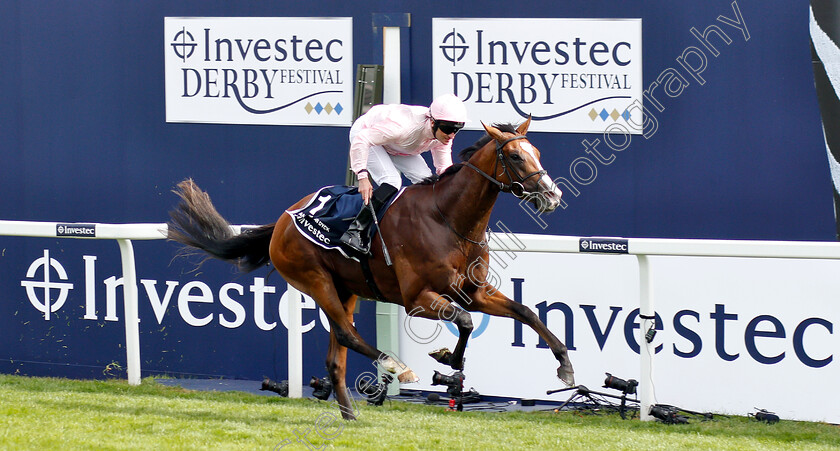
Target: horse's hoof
408 377
568 377
390 365
442 355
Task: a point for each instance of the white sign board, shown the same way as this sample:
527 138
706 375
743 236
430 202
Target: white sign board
259 70
735 333
571 75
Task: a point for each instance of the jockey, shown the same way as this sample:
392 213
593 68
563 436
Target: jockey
387 141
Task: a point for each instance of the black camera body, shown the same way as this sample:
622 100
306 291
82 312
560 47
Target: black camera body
667 414
628 387
454 383
766 416
323 387
375 393
281 388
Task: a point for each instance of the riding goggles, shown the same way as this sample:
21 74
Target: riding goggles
450 128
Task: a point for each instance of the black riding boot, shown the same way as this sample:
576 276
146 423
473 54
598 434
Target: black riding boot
356 236
353 236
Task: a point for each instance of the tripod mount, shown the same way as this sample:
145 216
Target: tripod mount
591 396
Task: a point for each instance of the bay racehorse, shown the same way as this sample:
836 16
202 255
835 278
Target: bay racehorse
435 232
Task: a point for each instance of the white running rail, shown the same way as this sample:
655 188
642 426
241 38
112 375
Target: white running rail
640 247
124 233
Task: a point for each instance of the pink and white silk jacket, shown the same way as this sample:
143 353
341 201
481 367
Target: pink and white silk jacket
400 130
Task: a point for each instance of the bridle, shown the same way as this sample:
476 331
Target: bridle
517 188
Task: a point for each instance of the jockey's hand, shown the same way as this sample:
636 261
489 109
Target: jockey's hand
366 189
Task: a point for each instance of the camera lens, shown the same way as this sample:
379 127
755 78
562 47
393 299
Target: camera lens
625 386
281 388
667 414
442 379
439 379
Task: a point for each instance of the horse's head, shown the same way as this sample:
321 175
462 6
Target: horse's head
518 169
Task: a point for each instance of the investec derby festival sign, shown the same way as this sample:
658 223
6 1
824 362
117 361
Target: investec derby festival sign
571 75
255 70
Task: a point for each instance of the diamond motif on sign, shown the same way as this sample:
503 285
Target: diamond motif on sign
593 114
626 115
604 115
328 108
319 108
614 114
338 108
308 108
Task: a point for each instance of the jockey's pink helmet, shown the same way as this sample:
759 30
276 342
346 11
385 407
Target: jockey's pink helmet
448 107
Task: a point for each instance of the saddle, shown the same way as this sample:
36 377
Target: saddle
328 214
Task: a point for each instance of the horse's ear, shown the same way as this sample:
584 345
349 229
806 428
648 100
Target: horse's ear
493 132
523 128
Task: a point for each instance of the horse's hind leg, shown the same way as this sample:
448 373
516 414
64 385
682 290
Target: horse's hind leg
345 335
337 367
498 304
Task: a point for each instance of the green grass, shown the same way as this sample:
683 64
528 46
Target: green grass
44 413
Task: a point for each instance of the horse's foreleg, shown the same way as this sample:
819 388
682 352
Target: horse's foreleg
498 304
463 321
434 306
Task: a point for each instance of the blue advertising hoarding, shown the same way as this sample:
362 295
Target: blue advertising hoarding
85 138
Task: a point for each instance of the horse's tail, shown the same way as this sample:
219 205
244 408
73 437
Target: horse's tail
196 223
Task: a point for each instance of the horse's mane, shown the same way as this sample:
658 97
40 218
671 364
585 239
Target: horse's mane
466 153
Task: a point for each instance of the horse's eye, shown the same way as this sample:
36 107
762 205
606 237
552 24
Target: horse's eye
515 157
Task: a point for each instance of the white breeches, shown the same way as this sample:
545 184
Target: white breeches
385 168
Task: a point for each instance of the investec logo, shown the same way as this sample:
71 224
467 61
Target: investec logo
604 245
258 70
80 230
48 285
576 75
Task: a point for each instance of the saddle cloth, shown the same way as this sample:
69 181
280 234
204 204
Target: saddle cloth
325 218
